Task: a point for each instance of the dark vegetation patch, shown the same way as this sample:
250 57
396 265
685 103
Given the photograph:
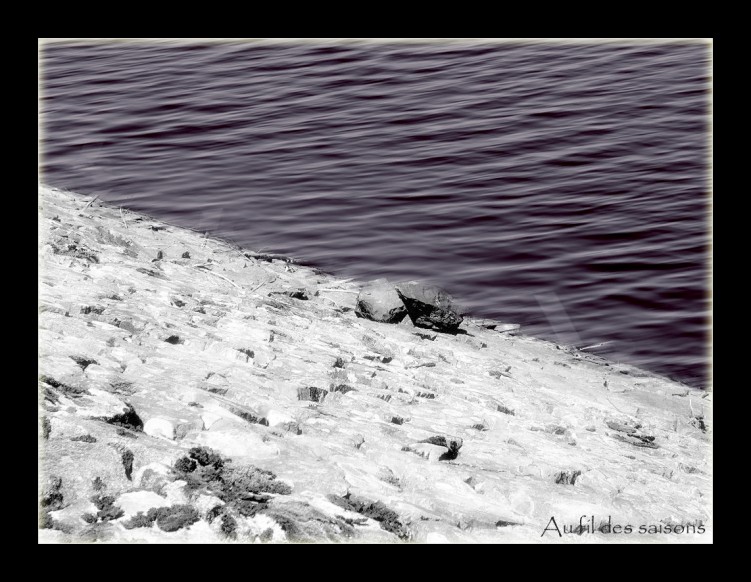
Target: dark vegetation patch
388 519
75 251
89 518
46 428
248 353
303 523
186 255
185 465
89 309
505 410
174 518
397 420
126 433
174 340
127 459
215 512
107 508
140 520
339 363
238 482
567 477
229 526
84 438
128 419
168 519
52 497
243 489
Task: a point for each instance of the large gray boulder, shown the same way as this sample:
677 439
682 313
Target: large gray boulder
379 301
429 307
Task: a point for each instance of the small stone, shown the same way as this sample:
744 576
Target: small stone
380 302
429 451
139 501
159 427
127 419
277 417
311 393
451 444
357 441
429 307
298 294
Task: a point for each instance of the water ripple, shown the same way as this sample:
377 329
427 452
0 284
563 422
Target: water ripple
507 173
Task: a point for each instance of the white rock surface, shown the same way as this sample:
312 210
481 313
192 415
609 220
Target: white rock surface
159 427
545 431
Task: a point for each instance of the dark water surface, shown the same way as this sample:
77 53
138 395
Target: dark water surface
561 187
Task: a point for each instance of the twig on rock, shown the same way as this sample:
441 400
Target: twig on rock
90 202
206 270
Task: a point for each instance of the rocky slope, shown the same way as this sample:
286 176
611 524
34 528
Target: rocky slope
192 391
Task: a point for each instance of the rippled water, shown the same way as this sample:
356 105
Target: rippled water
561 187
